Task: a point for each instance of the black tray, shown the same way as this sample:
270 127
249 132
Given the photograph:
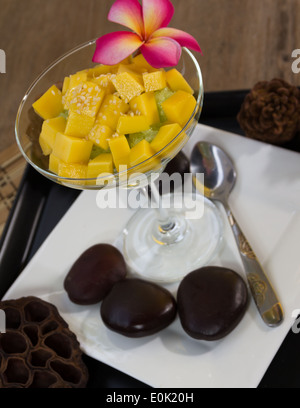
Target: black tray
39 206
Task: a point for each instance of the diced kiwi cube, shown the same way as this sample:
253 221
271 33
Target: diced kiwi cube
160 97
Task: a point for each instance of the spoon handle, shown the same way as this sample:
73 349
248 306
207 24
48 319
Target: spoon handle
262 291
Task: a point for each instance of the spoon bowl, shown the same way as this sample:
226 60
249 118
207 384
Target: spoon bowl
219 179
217 167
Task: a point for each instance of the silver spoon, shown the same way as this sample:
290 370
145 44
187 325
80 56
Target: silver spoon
219 179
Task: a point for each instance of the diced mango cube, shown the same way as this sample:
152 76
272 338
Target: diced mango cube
50 128
104 81
179 107
141 157
74 83
145 104
49 105
128 85
125 68
100 135
114 102
132 124
85 98
72 149
127 60
106 69
100 70
46 149
73 171
165 135
131 68
154 81
54 163
176 81
110 111
108 118
66 85
78 78
79 125
101 164
140 61
120 150
140 152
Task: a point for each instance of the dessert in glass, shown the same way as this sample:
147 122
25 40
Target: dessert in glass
96 127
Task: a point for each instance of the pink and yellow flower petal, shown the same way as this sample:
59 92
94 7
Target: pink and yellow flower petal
183 38
115 47
156 14
161 52
129 14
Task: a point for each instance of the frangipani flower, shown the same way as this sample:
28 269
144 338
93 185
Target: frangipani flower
159 44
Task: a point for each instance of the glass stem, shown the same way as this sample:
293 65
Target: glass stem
168 228
165 221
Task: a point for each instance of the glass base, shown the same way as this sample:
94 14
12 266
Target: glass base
167 256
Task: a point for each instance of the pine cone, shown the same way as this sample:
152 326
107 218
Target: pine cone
271 112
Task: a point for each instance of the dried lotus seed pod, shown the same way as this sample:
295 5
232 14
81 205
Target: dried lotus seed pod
38 349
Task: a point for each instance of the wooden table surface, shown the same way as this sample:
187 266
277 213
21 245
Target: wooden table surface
243 41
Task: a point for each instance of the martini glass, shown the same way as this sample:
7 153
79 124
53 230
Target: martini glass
172 234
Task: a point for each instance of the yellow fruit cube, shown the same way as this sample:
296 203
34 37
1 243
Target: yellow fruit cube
85 99
100 70
165 135
110 111
154 81
78 78
179 107
72 149
145 104
106 69
132 124
49 105
50 128
125 68
108 117
79 125
104 81
54 163
99 165
131 68
140 62
66 85
73 171
140 152
46 149
100 135
120 150
113 102
127 60
72 86
128 85
176 81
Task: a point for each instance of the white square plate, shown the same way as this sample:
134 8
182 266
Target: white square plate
266 203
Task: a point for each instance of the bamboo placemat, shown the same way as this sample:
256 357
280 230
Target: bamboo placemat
12 166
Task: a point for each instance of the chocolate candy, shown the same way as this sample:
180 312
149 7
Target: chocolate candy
211 302
137 308
94 273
